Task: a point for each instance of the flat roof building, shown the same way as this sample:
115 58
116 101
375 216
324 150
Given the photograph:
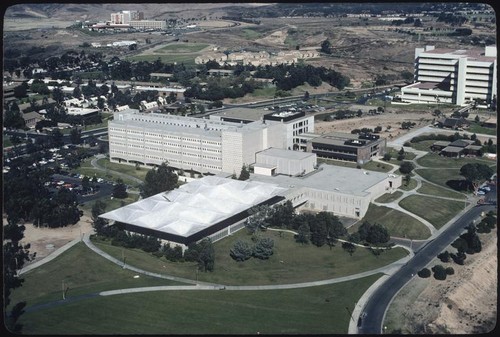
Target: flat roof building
274 161
340 190
211 206
359 148
202 145
453 76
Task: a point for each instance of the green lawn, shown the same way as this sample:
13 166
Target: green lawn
431 189
398 224
267 92
395 153
350 164
377 166
315 310
441 176
388 197
423 145
435 160
112 204
477 128
437 211
182 48
286 265
123 168
411 185
83 272
185 59
250 34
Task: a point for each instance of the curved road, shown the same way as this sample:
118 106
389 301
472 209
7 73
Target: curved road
374 311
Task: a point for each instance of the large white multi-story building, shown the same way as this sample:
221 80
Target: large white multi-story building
202 145
453 76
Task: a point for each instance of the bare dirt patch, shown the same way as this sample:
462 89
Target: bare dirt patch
44 240
389 121
465 303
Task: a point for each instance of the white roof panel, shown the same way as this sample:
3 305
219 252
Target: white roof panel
195 206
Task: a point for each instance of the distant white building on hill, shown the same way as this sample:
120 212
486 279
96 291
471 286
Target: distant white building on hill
453 76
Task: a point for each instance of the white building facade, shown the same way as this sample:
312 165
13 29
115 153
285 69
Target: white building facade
453 76
202 145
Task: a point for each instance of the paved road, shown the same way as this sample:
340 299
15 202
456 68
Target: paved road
376 306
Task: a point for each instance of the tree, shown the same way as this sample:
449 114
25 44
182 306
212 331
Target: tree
306 96
376 234
244 174
206 259
406 167
21 90
349 247
326 47
75 136
13 118
99 224
439 272
387 157
263 248
258 218
159 180
424 273
120 190
475 173
14 256
241 251
304 233
444 256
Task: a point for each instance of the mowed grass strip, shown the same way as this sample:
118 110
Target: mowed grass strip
291 262
432 189
388 197
436 211
378 167
398 224
83 272
313 310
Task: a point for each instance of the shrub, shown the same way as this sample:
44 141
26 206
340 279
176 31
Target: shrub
444 256
439 272
450 271
424 273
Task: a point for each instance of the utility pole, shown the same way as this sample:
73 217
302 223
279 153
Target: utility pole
350 314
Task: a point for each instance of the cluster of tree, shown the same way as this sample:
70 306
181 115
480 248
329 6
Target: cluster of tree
451 18
120 190
15 255
219 88
468 242
475 173
439 272
407 21
488 223
13 117
201 252
157 180
407 125
261 248
443 137
30 200
287 77
342 114
319 229
149 244
362 130
374 234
